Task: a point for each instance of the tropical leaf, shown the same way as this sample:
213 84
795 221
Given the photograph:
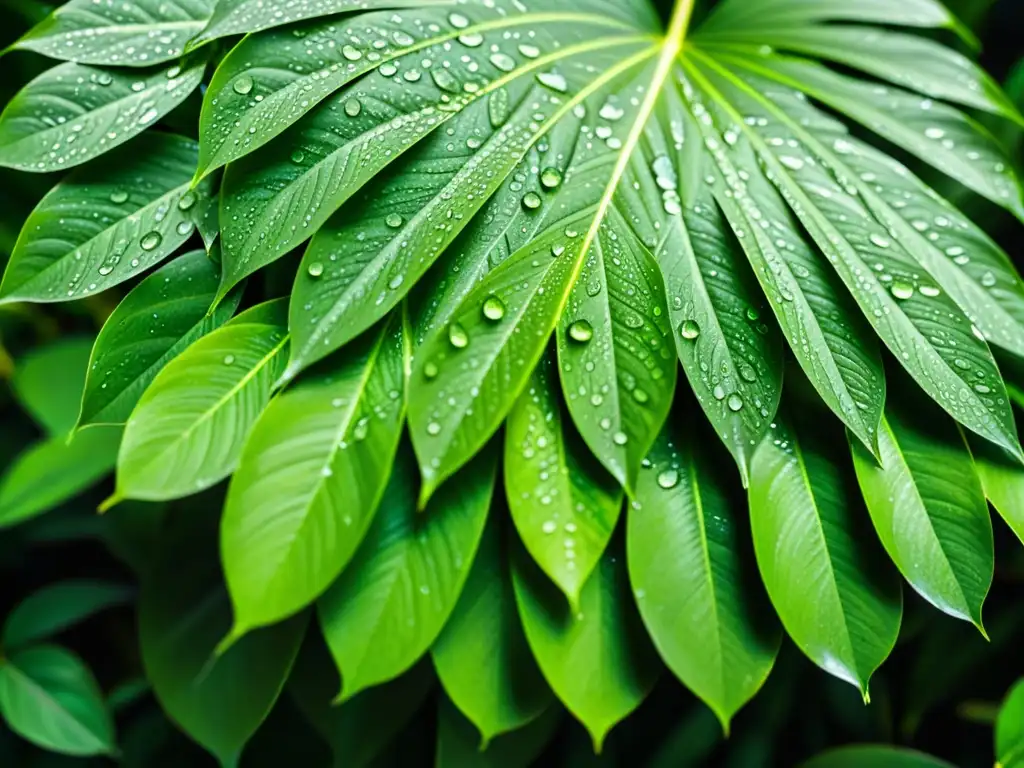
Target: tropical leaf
310 479
457 746
106 223
49 380
1010 729
1002 477
189 427
59 606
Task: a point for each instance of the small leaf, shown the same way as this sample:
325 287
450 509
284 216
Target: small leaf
929 508
596 658
73 113
50 472
1010 729
457 746
189 427
392 601
59 606
686 541
481 655
106 223
310 479
48 380
875 757
837 597
151 326
48 696
1002 477
134 34
564 504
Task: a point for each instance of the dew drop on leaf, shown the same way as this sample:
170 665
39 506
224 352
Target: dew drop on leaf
550 178
553 80
531 201
668 479
689 330
118 196
735 402
902 290
315 269
242 85
457 336
581 331
151 240
187 201
494 309
394 220
430 370
353 107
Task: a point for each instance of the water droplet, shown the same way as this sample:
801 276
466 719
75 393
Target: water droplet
531 201
549 527
184 228
242 85
351 53
689 330
433 428
503 61
229 359
315 269
458 21
394 220
620 438
529 51
494 309
430 370
353 107
881 242
668 479
550 178
581 331
553 80
118 196
457 336
298 156
104 78
151 240
187 201
902 290
735 402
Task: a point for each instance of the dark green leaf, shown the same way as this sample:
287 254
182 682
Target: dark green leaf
875 757
59 606
49 380
1010 729
458 747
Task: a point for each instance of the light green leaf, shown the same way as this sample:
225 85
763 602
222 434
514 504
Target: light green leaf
1002 477
837 597
48 696
310 479
392 601
1010 729
59 606
868 756
48 380
188 430
686 545
154 323
929 508
359 730
106 223
457 745
564 504
241 17
52 471
134 34
73 113
596 658
218 700
481 655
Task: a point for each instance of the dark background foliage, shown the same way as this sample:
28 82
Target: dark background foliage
938 692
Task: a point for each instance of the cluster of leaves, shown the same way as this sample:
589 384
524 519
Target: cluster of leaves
452 420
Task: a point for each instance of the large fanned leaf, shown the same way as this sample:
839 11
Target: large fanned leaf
564 504
107 222
310 479
595 656
482 657
391 602
837 597
73 113
48 696
686 547
188 430
130 34
161 317
929 508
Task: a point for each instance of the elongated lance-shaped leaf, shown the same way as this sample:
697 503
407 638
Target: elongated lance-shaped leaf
922 326
161 316
106 223
73 113
242 17
310 478
564 504
737 17
928 506
596 657
481 656
685 547
49 696
59 606
837 596
188 430
391 602
135 34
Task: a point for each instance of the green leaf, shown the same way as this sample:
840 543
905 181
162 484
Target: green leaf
73 113
596 658
1010 729
188 430
106 223
359 730
310 479
241 17
686 546
837 597
391 602
48 380
1002 477
151 326
481 655
564 504
874 757
928 507
457 746
219 701
134 34
50 472
48 696
58 606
